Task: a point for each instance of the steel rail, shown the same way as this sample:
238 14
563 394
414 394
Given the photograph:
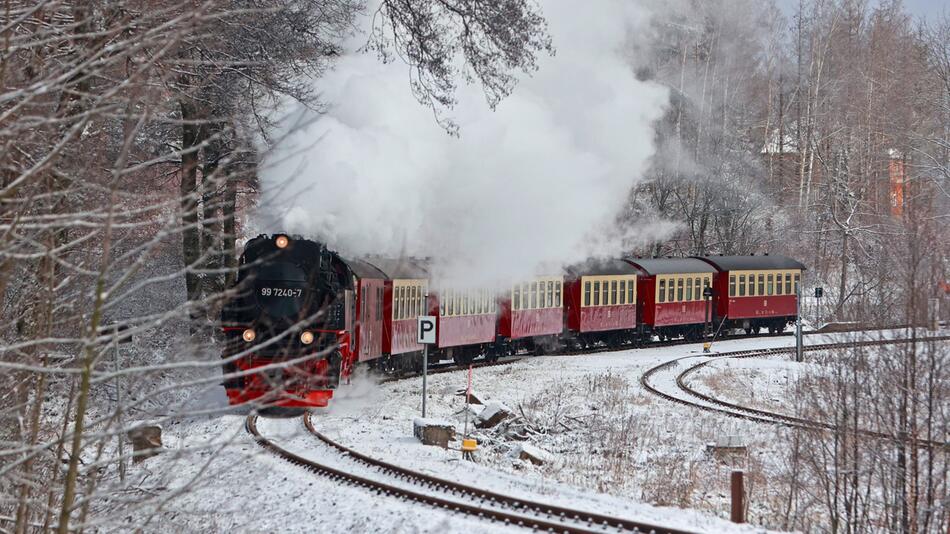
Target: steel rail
485 495
440 368
765 416
554 523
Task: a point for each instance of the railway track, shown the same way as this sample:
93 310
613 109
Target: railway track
399 482
713 404
440 368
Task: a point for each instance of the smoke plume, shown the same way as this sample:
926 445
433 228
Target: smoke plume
535 184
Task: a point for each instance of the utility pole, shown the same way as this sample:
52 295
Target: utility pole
798 322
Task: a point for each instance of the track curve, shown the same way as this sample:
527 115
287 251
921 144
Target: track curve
456 497
713 404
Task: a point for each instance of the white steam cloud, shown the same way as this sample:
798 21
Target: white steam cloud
537 183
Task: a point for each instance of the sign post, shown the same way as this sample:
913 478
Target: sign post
425 335
819 292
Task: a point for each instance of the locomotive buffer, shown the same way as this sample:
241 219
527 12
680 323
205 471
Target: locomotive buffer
425 335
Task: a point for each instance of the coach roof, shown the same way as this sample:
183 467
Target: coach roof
400 268
363 269
654 266
599 266
751 263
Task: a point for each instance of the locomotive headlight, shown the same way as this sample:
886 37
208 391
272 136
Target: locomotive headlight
249 335
306 338
282 241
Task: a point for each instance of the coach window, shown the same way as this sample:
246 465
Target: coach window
679 289
550 294
557 293
761 285
597 293
397 302
614 299
587 293
689 289
661 294
788 284
751 285
770 285
623 292
671 289
798 278
630 291
741 285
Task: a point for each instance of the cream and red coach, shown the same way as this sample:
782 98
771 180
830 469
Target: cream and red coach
671 296
404 286
465 321
755 292
600 301
531 314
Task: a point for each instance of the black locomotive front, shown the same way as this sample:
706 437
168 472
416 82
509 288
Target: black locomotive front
287 305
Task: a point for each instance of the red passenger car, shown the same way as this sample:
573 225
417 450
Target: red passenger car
600 301
466 323
755 292
407 281
367 310
671 296
532 312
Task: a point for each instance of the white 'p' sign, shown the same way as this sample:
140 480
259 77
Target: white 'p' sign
425 333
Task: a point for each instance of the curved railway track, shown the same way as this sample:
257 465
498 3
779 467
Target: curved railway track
713 404
399 482
439 368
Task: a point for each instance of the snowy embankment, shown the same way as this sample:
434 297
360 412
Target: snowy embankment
607 446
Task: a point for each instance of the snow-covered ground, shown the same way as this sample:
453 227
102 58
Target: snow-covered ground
613 448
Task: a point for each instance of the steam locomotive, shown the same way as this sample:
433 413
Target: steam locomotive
284 322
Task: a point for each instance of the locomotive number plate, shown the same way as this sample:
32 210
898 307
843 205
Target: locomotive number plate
281 292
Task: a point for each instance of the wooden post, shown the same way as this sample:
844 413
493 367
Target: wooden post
738 497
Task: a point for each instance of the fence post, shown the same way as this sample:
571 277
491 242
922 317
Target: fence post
738 497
